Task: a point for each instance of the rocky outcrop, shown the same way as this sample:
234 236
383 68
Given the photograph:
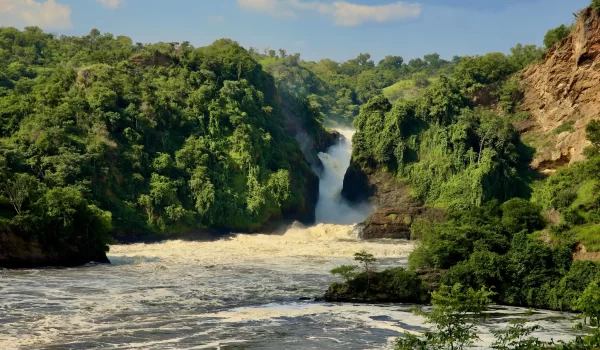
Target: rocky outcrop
306 212
378 187
397 208
18 252
396 222
564 91
389 223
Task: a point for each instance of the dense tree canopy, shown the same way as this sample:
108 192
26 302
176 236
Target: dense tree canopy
166 137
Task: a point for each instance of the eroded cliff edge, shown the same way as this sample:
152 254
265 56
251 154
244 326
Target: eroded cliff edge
564 90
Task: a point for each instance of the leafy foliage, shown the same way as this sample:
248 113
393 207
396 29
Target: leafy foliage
347 272
448 151
517 336
556 35
457 311
490 247
162 137
495 246
392 285
455 314
574 192
368 262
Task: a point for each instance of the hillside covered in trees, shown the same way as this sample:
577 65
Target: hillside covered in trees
531 237
100 135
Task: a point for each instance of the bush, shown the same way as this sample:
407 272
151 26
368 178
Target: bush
484 268
421 80
492 247
565 127
455 314
520 214
510 95
556 35
392 285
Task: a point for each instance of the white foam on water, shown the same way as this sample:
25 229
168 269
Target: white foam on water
322 240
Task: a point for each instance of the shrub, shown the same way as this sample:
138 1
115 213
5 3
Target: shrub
520 214
565 127
455 315
556 35
392 285
510 95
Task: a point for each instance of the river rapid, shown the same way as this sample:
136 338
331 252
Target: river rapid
237 292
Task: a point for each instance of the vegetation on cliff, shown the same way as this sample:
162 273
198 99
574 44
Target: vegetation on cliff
98 133
449 149
491 246
508 230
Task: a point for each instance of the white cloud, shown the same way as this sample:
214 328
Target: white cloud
314 6
275 8
112 4
47 14
342 13
346 14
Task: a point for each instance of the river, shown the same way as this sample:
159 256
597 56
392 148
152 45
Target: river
238 292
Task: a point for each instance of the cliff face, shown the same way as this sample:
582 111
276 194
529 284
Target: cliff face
397 208
564 91
17 252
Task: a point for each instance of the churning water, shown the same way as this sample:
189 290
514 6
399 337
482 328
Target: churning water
238 292
332 208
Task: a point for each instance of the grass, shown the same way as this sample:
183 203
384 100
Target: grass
533 139
589 236
405 89
401 89
564 127
585 194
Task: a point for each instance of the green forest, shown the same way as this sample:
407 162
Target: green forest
101 135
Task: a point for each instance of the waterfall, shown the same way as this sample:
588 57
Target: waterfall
332 208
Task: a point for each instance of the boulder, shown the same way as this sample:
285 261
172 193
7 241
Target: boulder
396 222
18 252
389 223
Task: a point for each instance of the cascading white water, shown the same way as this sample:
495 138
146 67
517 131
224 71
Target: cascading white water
332 208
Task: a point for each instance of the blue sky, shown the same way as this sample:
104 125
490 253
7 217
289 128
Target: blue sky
317 28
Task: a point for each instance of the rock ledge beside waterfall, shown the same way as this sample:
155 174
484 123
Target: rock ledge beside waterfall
397 208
